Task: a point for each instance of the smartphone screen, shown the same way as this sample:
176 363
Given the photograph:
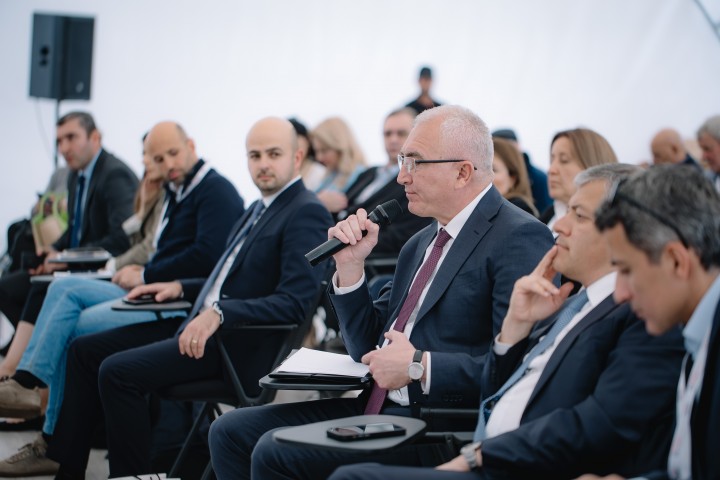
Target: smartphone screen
364 432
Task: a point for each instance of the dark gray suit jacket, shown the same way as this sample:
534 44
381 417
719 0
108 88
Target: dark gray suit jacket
109 203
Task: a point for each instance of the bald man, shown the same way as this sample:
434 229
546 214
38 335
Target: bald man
262 278
708 136
667 148
200 208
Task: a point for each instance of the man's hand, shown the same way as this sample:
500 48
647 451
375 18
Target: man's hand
389 365
163 291
48 267
459 464
193 339
350 261
534 298
129 277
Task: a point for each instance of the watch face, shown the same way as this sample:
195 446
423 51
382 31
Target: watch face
415 371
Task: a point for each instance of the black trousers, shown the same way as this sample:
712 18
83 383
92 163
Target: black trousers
14 289
113 372
19 298
242 446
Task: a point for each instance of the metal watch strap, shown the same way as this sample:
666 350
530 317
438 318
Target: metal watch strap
469 452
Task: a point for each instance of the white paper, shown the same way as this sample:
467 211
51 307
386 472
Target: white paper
306 360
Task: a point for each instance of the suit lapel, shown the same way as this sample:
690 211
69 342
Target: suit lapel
472 233
359 185
595 315
277 206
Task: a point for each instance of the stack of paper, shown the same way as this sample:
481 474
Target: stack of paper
307 364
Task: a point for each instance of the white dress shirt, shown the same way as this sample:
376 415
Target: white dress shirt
213 294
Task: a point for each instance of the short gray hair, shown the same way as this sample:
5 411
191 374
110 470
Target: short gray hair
666 203
711 127
463 135
610 173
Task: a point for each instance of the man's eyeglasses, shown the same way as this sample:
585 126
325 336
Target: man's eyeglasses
617 196
411 164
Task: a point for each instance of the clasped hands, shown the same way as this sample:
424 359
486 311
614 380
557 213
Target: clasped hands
389 365
130 276
194 337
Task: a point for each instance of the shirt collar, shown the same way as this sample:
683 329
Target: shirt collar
702 318
88 170
188 178
601 288
458 222
271 198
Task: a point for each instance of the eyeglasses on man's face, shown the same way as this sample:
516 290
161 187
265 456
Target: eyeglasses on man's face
411 164
616 196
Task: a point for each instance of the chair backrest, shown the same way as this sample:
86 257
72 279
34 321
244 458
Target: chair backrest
282 338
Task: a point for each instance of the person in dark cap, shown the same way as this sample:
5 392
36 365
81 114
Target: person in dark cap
538 178
424 101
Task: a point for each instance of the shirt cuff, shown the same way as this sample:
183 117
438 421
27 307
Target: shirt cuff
110 265
142 275
344 290
500 348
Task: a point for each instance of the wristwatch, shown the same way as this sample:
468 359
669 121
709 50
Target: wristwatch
469 453
416 369
216 308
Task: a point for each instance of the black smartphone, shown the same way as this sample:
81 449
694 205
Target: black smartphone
351 433
141 300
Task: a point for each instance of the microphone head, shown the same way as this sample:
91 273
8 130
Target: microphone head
385 213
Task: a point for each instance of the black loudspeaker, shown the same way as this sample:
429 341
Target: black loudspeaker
61 58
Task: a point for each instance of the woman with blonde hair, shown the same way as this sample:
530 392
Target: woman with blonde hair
336 148
571 152
511 177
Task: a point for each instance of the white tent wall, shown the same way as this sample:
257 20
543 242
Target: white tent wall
624 68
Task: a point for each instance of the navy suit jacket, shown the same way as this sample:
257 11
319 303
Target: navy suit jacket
465 304
604 402
392 237
705 419
194 238
109 203
270 281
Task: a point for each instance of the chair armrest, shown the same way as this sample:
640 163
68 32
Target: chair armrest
315 434
449 413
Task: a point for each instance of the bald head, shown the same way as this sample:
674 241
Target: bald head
667 147
273 155
170 148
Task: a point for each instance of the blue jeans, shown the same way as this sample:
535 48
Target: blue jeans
73 307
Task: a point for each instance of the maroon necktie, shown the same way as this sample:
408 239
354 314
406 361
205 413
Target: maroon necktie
378 394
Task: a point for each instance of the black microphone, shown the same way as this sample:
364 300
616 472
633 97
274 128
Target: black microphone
382 215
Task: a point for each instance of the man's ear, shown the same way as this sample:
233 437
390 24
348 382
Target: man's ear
682 259
464 173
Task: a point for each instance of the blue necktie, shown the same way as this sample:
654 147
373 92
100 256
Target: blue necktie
257 210
77 218
572 307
